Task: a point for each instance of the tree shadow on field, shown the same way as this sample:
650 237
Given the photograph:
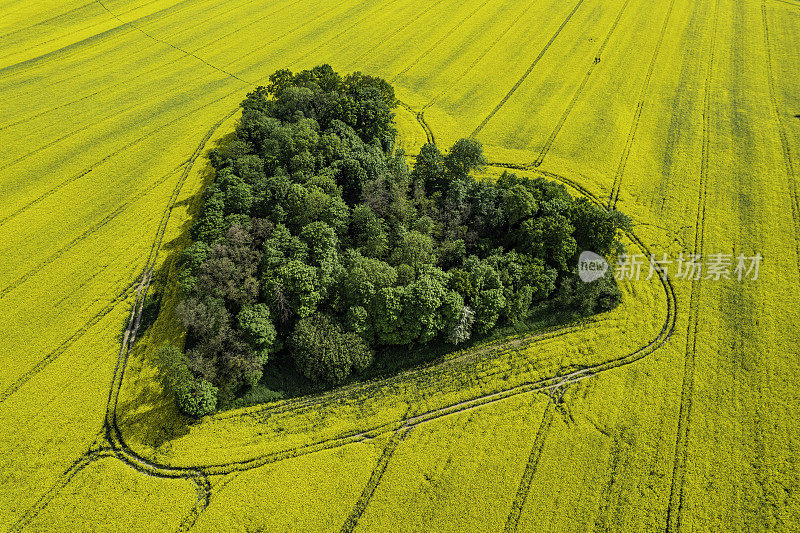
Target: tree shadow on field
147 414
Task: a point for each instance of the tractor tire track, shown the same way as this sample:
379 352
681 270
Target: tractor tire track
479 58
322 13
340 33
440 41
551 139
421 374
601 524
387 38
512 522
64 346
99 225
677 492
187 52
203 501
124 294
785 146
626 151
555 381
526 73
68 475
127 81
793 4
374 480
51 21
94 228
99 162
421 121
125 27
114 445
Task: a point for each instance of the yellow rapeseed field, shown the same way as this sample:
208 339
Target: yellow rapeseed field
677 411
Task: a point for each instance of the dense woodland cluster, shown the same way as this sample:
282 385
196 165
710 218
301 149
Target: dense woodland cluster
318 243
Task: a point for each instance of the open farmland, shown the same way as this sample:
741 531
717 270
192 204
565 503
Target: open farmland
676 411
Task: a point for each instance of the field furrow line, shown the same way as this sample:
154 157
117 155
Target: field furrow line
526 73
247 25
129 457
420 374
106 88
480 57
435 45
203 500
786 148
90 26
512 522
551 139
63 480
601 524
428 131
103 66
61 348
387 38
118 151
88 41
677 491
116 446
187 52
322 14
49 20
338 34
374 479
83 236
559 379
125 27
626 151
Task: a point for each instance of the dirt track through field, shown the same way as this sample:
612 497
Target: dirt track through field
677 492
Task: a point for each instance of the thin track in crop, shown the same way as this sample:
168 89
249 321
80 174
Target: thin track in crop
551 139
116 152
69 474
61 348
94 228
526 73
126 81
421 121
386 38
480 57
341 32
601 521
512 522
677 492
322 13
626 151
52 356
785 146
47 21
435 45
53 19
374 479
125 27
183 50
